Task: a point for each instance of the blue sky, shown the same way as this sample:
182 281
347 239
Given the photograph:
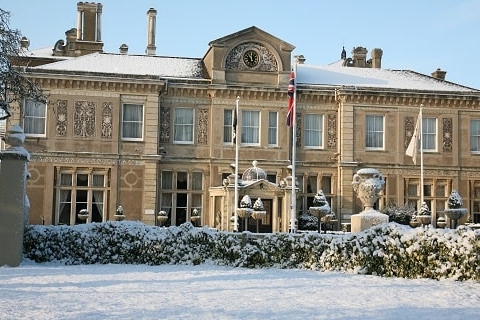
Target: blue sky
419 35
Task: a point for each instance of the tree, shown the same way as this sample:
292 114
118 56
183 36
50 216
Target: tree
14 85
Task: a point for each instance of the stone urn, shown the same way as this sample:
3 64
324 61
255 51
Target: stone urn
83 214
119 214
424 215
454 209
162 217
368 183
454 215
441 223
195 217
320 209
245 209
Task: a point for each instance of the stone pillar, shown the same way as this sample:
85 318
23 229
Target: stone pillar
13 197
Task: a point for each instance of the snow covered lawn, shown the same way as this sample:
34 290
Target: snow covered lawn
55 291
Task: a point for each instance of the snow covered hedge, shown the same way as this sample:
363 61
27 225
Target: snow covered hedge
391 250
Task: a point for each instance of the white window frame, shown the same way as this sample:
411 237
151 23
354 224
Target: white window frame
227 126
475 136
74 188
133 121
33 118
372 135
250 127
310 131
185 125
429 133
272 129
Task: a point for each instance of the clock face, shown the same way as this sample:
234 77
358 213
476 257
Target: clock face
250 58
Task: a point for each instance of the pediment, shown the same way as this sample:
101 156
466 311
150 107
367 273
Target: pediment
250 55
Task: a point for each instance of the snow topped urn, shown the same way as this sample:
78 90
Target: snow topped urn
320 209
424 216
245 209
368 183
454 209
258 212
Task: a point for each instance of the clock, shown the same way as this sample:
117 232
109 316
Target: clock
250 58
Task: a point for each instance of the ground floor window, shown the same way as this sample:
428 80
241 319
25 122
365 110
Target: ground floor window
435 193
81 195
474 201
181 196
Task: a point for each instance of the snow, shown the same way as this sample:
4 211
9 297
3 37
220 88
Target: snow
54 291
130 65
336 74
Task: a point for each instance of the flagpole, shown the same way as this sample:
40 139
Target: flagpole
235 223
421 155
293 212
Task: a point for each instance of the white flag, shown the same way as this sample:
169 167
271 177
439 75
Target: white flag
414 144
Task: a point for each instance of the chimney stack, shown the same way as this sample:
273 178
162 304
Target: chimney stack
359 57
151 18
377 58
439 74
123 49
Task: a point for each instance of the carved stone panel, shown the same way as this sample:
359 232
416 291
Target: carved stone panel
107 120
267 61
165 124
84 119
332 131
202 126
61 118
409 129
447 134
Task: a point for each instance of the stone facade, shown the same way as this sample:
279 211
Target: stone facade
83 159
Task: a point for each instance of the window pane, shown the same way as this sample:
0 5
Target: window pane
82 180
374 132
197 181
327 184
272 128
34 118
182 180
227 125
313 130
132 126
65 179
250 127
475 135
429 130
166 179
98 180
183 125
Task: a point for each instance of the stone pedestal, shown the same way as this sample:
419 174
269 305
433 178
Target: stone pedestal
13 198
367 183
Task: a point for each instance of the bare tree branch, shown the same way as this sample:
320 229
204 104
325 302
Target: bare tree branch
13 84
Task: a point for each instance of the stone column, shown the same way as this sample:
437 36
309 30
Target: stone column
13 197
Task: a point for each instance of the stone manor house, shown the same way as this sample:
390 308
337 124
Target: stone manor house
153 133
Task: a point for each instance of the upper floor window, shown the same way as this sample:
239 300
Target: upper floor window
132 122
183 125
475 135
35 118
374 134
429 134
227 125
250 127
314 131
272 128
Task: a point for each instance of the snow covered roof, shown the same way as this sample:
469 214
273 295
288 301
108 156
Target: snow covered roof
46 52
338 75
109 63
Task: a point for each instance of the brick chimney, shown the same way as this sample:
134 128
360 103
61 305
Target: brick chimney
439 74
151 19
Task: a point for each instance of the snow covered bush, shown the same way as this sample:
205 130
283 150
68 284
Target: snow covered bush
392 249
399 213
454 200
